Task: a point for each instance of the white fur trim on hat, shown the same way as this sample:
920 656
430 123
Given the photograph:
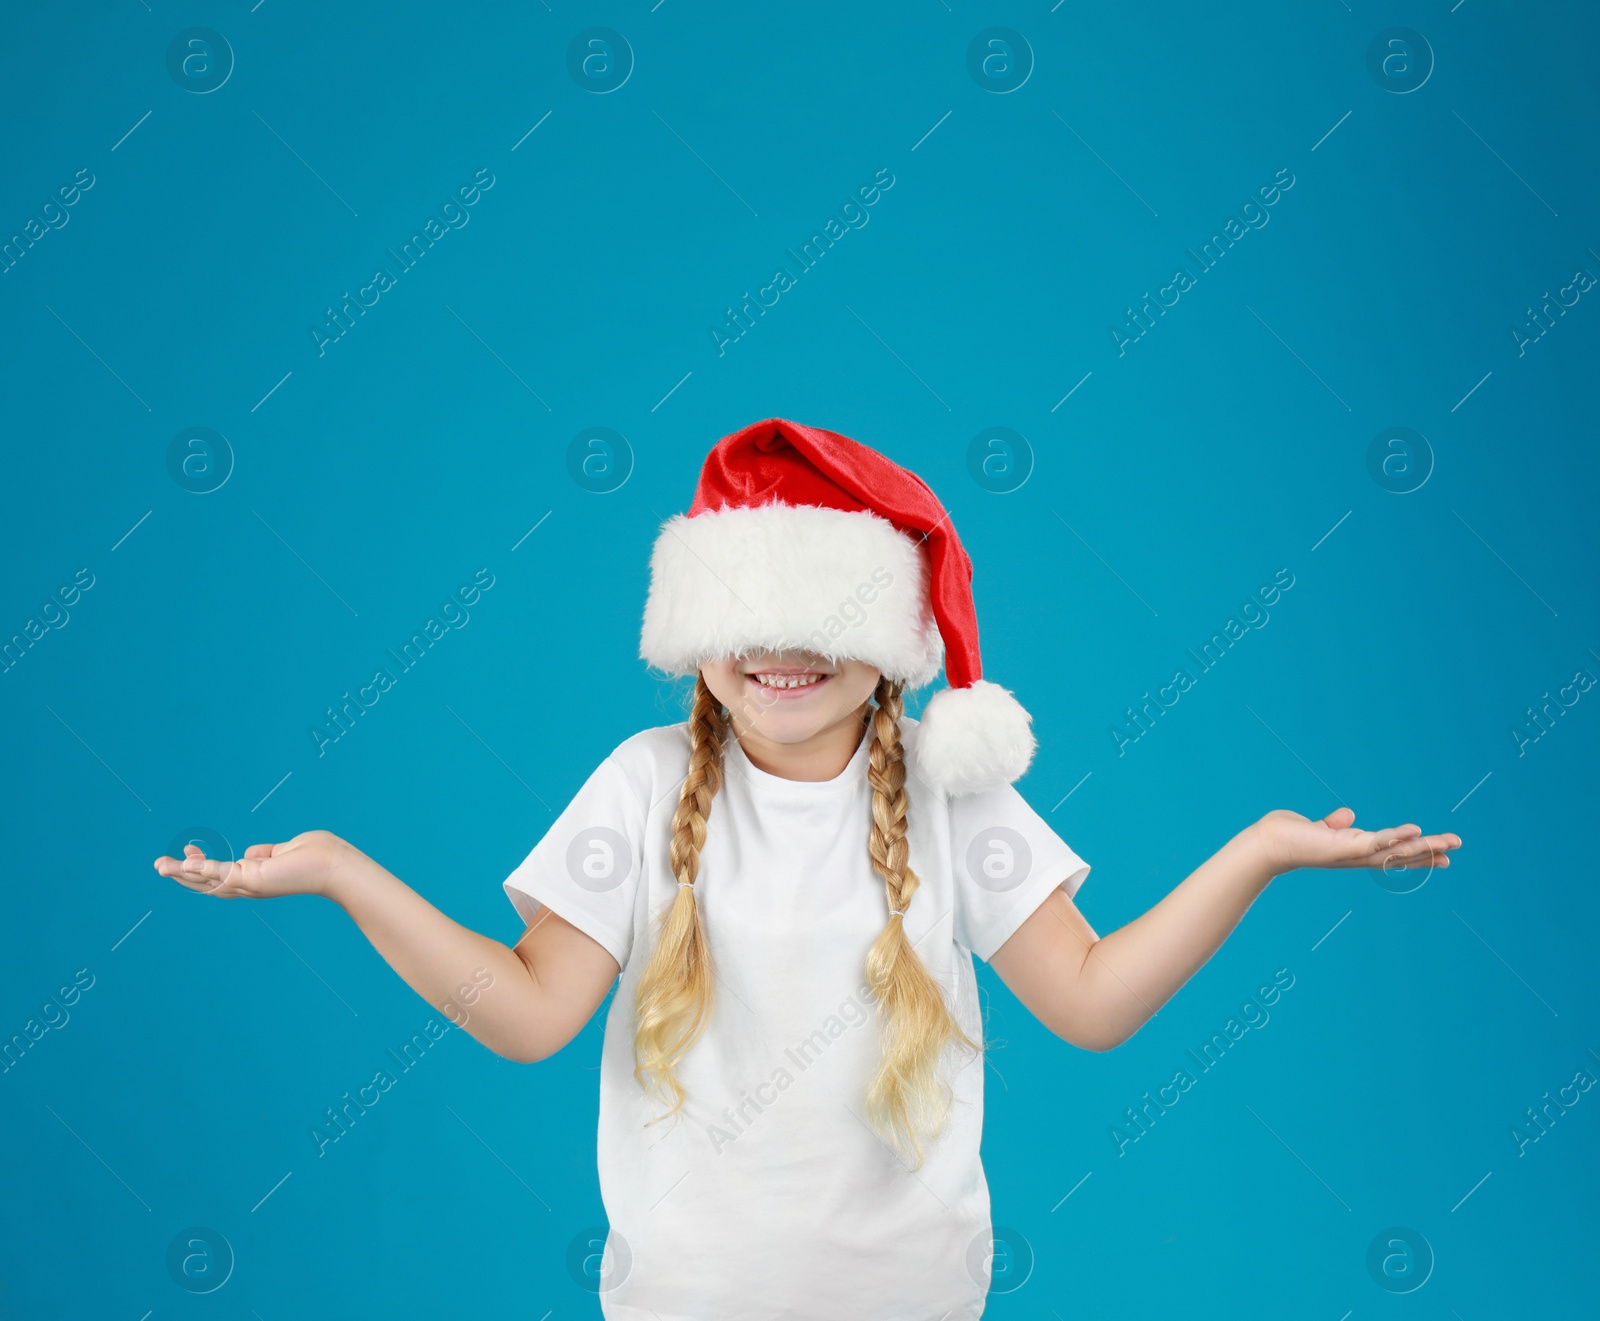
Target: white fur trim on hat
849 586
971 739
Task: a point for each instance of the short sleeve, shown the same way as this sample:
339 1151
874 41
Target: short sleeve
587 866
1006 861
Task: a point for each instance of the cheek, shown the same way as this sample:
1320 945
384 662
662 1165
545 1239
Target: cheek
726 685
856 683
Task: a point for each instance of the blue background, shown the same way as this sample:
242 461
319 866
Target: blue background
1167 482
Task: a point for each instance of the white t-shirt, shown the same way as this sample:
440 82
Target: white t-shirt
768 1197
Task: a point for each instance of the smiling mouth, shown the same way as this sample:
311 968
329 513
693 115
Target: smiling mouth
787 683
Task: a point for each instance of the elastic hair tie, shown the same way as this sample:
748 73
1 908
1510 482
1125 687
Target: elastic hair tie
682 884
897 912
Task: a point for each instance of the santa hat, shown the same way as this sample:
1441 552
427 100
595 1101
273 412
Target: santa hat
804 540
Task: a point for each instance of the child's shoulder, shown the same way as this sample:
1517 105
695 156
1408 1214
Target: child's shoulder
653 757
910 744
663 743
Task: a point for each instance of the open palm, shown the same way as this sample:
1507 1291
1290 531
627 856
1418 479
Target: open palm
302 865
1291 840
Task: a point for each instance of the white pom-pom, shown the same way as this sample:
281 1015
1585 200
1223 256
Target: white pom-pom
971 739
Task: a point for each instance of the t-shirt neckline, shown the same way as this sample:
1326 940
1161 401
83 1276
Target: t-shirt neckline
852 777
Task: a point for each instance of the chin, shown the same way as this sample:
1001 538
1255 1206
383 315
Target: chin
792 726
792 719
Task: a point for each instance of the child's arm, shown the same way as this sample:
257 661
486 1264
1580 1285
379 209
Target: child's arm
524 1002
1096 993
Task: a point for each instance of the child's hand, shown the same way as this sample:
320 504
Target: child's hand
1288 840
307 864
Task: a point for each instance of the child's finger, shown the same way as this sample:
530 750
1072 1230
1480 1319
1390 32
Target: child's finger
1441 843
1434 843
211 872
1415 852
173 869
1382 840
1429 862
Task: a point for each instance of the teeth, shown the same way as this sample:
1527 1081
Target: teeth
786 680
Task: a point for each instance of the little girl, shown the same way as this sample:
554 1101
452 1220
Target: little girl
791 886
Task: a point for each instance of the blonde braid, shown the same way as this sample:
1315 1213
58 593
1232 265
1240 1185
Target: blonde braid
673 998
907 1099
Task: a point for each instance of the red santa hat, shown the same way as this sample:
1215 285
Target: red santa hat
801 539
